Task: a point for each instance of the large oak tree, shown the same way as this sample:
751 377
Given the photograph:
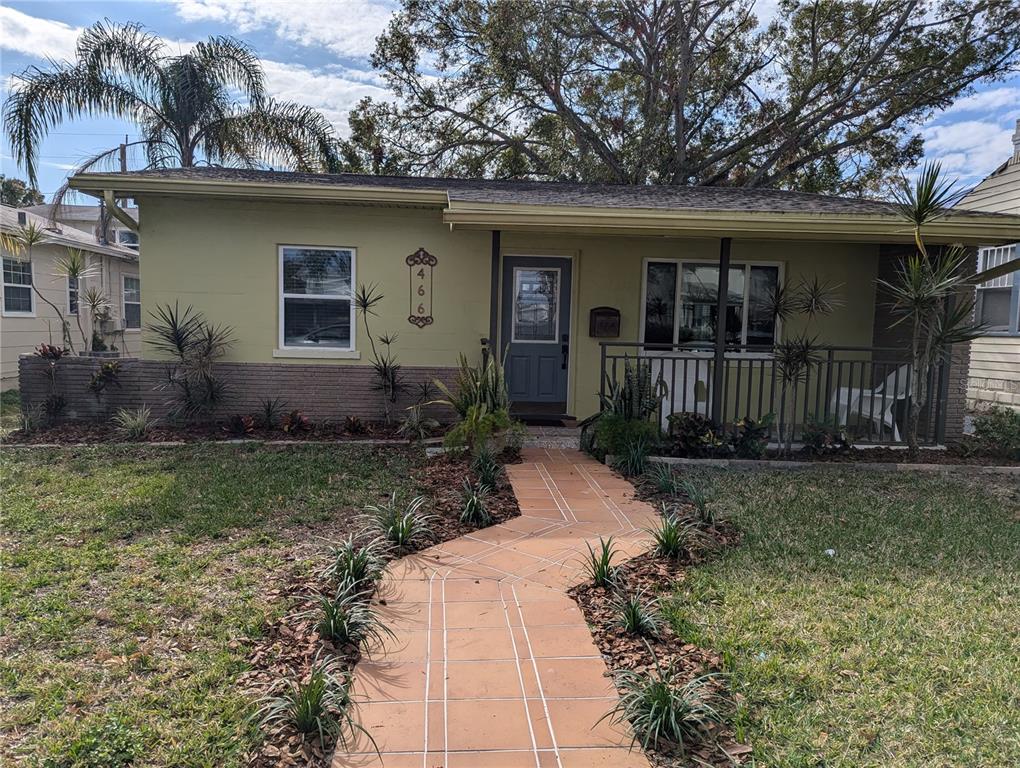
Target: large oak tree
829 96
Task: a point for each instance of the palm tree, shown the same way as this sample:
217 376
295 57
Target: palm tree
185 106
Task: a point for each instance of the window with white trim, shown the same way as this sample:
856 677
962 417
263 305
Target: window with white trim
18 299
126 238
132 302
72 295
316 297
681 302
996 298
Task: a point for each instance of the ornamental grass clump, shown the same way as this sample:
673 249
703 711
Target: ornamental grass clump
348 619
487 468
633 461
401 526
700 492
134 425
637 614
319 705
356 566
599 563
475 510
662 478
678 538
663 711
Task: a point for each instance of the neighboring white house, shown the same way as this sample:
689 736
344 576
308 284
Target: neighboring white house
27 320
995 358
93 220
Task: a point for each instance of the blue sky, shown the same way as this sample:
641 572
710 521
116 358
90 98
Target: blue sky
317 53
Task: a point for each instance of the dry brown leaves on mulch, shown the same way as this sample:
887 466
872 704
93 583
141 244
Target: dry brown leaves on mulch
292 644
654 575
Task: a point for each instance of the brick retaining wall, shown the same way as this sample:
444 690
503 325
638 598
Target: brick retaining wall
322 392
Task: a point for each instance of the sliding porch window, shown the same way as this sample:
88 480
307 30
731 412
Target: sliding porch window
316 306
681 303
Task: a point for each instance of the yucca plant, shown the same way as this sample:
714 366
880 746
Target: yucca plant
270 412
663 478
637 614
599 563
634 460
319 705
677 538
665 712
487 468
474 510
134 425
347 619
700 491
356 566
402 526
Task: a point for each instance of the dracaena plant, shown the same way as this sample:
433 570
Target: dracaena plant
931 293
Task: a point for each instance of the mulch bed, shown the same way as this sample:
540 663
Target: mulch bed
80 432
950 456
292 644
621 650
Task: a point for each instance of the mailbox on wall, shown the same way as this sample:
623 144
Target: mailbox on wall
604 323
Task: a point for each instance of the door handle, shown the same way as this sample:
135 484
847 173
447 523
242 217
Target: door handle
565 349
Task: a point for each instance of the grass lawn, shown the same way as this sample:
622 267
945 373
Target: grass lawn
900 649
132 578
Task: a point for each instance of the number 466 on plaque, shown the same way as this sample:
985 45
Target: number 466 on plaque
420 266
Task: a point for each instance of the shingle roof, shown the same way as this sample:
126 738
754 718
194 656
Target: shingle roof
74 212
66 236
554 193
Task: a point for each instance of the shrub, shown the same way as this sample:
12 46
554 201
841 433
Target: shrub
750 438
634 459
677 538
694 436
487 468
823 436
108 374
51 352
637 615
997 431
614 433
347 619
416 426
662 711
474 510
320 705
294 422
134 425
355 568
599 563
270 412
240 425
354 426
403 527
477 427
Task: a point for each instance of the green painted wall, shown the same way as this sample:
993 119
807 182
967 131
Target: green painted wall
221 256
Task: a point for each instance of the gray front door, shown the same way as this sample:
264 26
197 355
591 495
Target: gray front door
536 328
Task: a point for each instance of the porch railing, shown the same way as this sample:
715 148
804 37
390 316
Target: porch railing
865 389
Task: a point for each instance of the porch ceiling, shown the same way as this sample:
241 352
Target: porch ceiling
878 228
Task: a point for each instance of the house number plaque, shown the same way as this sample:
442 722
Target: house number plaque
421 265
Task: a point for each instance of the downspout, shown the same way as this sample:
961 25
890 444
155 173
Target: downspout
119 213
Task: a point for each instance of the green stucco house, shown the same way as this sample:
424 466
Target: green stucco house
566 281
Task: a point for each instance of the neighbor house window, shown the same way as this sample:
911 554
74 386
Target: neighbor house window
997 298
316 307
681 303
132 302
127 238
18 298
72 295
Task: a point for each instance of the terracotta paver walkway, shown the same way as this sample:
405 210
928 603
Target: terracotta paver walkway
492 664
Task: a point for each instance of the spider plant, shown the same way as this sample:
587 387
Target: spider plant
599 563
319 705
662 710
402 526
474 511
637 614
356 566
487 468
677 538
347 620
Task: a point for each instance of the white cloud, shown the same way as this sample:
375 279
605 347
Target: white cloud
988 101
36 37
970 149
333 94
346 28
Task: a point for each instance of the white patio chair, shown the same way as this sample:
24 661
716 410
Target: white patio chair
868 403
